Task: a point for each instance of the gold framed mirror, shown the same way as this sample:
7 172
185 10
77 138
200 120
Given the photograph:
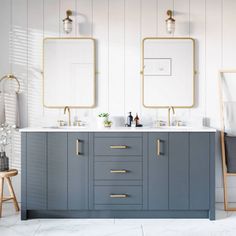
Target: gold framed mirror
168 70
69 72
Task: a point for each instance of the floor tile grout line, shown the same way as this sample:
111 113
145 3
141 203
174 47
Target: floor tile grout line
142 230
37 230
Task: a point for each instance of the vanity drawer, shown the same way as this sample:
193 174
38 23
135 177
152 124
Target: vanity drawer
118 146
118 195
118 134
118 171
118 158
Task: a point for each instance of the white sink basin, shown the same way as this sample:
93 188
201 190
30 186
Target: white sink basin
180 128
65 127
71 127
173 127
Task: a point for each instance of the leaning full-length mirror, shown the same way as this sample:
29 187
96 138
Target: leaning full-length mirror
69 72
168 72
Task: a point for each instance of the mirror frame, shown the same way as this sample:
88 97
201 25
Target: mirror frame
142 70
94 74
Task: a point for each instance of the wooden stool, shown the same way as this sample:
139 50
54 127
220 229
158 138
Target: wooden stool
6 175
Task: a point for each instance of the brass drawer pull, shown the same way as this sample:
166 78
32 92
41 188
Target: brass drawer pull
118 195
78 153
118 171
158 147
118 147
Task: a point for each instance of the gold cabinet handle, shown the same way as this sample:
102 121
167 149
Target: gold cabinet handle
118 195
118 171
158 147
78 147
118 146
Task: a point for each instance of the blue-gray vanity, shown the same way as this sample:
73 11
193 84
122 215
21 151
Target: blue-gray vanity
118 173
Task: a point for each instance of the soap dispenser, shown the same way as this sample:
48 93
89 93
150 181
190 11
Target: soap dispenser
129 119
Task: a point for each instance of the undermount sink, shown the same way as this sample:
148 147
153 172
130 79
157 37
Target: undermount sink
65 127
71 127
174 128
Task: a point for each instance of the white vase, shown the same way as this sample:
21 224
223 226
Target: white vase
100 122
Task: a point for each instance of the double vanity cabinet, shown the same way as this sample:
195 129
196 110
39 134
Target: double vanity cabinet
118 173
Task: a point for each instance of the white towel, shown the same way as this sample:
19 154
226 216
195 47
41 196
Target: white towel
2 108
11 107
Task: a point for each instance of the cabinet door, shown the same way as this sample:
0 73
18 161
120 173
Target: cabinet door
158 171
178 171
199 171
36 171
57 171
78 154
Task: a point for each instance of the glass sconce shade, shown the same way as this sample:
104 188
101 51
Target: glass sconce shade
170 22
67 22
67 25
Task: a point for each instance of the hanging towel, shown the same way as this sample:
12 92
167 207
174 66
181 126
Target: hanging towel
230 118
12 109
2 108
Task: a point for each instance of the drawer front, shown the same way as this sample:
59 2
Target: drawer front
118 134
128 207
118 195
118 146
118 158
118 171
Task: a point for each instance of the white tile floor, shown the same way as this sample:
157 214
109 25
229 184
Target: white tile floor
11 225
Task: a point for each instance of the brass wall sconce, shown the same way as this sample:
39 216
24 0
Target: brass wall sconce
170 22
67 22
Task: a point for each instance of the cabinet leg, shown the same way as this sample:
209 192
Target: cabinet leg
212 215
23 214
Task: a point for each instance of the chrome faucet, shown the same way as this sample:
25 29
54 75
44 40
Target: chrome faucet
69 118
169 110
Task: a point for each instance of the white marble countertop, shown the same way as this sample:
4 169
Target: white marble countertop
119 129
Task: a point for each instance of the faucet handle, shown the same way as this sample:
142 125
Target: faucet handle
179 123
160 123
77 123
61 122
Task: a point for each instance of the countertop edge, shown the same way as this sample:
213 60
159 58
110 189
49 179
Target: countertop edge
130 130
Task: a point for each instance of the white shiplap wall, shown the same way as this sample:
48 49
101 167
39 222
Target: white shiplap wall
118 26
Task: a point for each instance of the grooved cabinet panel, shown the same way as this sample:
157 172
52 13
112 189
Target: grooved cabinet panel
78 171
199 171
158 171
57 171
36 176
178 171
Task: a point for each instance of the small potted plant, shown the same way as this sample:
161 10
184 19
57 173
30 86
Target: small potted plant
107 123
104 120
5 138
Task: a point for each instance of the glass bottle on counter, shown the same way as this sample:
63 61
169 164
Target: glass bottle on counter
129 119
136 120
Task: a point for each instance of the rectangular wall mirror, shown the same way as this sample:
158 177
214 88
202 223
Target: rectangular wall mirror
168 72
69 72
